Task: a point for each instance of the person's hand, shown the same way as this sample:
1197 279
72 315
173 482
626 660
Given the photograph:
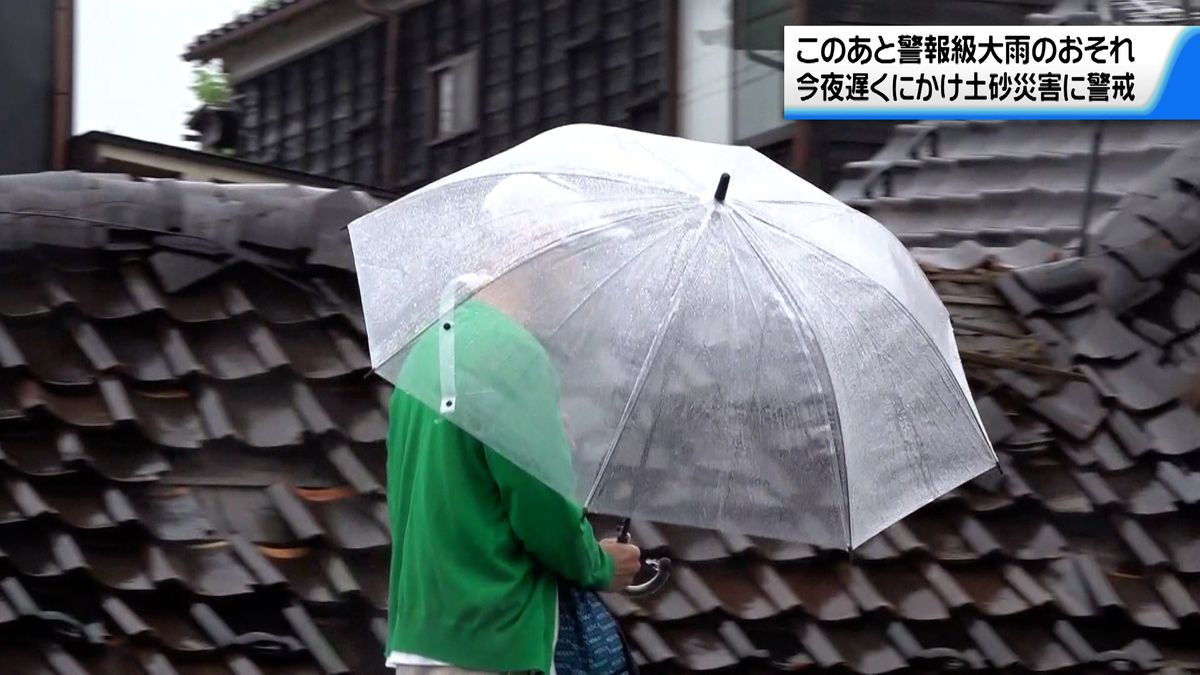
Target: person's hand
627 560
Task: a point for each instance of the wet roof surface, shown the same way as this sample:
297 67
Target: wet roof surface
192 455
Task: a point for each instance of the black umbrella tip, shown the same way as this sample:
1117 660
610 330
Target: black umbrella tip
623 536
722 187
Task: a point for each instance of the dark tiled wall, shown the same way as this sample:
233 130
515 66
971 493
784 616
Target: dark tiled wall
543 63
927 12
319 113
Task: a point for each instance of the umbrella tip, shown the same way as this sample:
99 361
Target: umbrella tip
722 187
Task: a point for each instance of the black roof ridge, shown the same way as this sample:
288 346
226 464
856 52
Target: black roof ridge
1109 258
277 226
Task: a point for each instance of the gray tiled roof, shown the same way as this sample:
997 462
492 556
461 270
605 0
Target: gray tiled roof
987 179
259 13
193 462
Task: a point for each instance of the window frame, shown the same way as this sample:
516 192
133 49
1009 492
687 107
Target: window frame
466 108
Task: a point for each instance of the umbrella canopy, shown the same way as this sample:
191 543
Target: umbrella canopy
758 357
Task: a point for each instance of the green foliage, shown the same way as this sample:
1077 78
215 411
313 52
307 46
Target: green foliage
210 84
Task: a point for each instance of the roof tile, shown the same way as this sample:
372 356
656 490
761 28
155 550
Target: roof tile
1175 597
820 592
261 411
265 574
1058 283
171 513
1142 602
726 586
22 297
1121 289
10 354
1141 493
1139 541
1075 409
352 469
1139 384
1185 486
211 569
311 578
196 304
294 513
859 586
169 418
1036 544
224 351
50 352
135 350
910 594
1132 437
1178 219
1175 431
141 290
1099 335
994 648
351 523
865 649
650 643
1035 648
1154 332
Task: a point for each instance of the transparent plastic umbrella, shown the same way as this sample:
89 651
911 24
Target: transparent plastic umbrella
653 340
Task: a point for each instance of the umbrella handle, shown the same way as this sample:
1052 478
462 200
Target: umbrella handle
662 574
661 567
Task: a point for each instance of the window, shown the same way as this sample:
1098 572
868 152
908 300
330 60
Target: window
758 24
455 101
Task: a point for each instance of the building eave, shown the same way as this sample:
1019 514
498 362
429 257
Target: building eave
92 150
209 45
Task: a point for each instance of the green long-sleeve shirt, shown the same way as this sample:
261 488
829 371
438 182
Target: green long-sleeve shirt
478 544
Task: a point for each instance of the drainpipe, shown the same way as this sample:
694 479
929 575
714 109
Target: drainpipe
392 18
64 57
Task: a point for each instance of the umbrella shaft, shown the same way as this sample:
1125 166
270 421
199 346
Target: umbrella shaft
623 537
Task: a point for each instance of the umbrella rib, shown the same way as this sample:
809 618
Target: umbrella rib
639 383
801 241
595 289
822 371
669 165
537 253
800 202
448 181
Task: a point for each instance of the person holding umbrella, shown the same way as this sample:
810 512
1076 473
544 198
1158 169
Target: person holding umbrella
733 348
481 547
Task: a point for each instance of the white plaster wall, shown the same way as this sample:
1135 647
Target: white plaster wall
758 97
705 70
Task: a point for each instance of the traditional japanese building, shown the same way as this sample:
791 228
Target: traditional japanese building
398 93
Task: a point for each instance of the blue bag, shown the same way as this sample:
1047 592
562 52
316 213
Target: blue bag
589 640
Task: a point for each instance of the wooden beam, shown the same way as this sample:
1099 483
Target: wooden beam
982 359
